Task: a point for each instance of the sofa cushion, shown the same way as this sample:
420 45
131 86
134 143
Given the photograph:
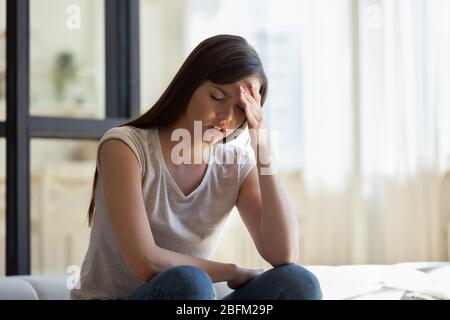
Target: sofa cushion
54 287
15 288
49 287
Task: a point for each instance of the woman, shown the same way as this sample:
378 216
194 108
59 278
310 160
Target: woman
158 214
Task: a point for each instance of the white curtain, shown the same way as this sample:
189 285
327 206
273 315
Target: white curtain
405 121
377 119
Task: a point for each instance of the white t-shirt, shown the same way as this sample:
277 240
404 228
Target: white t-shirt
186 224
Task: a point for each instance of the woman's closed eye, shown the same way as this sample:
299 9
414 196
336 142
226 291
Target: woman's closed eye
221 99
217 99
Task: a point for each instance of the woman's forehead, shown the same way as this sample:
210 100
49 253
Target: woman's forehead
235 85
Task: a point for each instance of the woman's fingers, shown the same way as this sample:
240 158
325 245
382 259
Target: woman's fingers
252 107
248 108
255 106
255 93
250 116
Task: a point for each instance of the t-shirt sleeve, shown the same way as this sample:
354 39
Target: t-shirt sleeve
131 138
246 163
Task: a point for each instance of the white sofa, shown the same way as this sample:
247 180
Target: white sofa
387 282
45 287
34 288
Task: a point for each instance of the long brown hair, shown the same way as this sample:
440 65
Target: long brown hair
221 59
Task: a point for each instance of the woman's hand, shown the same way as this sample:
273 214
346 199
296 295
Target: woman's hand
242 276
251 100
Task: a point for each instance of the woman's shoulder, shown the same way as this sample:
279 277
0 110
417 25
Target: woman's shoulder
141 142
135 133
127 129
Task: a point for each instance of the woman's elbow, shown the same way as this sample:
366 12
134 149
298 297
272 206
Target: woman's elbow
282 258
143 268
143 272
281 262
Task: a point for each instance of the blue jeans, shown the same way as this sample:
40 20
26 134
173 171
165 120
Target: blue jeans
287 282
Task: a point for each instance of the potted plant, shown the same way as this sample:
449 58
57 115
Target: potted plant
64 73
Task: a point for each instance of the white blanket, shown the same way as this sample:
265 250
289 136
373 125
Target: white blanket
420 280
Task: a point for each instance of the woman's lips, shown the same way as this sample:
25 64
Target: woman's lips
217 129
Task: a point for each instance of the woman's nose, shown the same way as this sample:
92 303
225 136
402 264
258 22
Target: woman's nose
227 114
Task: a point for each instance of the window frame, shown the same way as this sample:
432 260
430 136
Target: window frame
122 81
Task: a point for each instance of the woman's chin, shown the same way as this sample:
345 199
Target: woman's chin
214 140
213 136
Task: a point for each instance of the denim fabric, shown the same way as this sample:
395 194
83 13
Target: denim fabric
287 282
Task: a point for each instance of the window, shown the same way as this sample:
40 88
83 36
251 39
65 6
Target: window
2 60
57 114
2 210
61 186
2 140
67 64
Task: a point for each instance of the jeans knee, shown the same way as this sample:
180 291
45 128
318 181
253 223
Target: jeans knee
190 279
177 283
189 274
300 281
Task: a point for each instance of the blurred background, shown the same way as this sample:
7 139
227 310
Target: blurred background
359 91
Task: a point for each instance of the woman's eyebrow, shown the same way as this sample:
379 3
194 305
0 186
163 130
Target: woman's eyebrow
229 96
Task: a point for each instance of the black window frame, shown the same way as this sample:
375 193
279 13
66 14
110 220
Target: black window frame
122 81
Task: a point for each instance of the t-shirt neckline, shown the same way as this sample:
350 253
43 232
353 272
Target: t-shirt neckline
169 176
